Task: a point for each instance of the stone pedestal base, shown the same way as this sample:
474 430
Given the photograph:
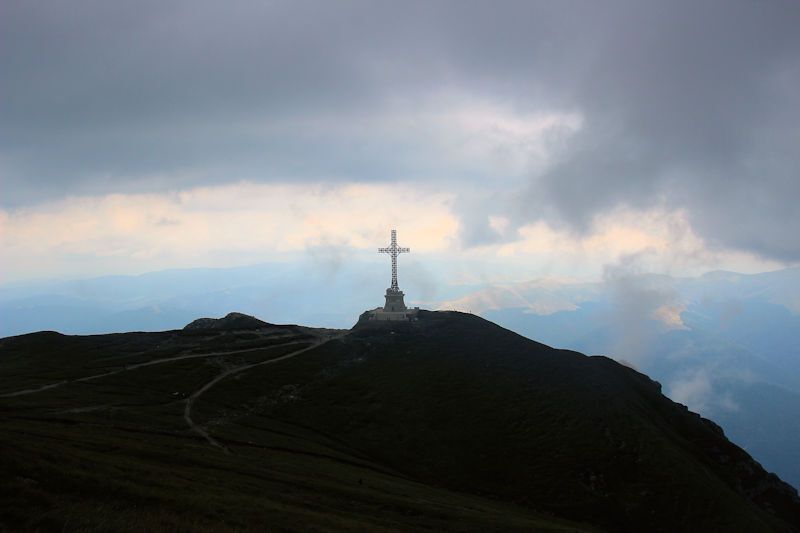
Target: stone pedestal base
394 310
394 302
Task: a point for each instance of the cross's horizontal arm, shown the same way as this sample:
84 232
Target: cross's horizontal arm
394 250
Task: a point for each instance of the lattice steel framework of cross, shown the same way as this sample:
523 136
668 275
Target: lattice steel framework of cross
393 250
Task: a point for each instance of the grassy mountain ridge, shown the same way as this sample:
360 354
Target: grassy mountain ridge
450 422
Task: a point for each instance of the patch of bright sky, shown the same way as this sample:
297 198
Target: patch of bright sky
248 223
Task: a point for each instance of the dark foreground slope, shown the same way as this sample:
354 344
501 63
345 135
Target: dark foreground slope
94 436
446 423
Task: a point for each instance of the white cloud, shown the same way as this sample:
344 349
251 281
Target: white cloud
231 224
693 390
245 223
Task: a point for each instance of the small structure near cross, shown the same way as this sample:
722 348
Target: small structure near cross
395 308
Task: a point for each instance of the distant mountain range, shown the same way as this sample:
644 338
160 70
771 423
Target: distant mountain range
297 292
168 299
446 423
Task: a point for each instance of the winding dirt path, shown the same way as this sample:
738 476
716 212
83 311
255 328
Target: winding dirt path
141 365
187 412
190 401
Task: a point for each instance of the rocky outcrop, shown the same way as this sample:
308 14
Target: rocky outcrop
231 321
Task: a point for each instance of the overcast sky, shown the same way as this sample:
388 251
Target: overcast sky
551 138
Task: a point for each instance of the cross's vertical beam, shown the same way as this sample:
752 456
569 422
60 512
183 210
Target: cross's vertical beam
394 261
393 250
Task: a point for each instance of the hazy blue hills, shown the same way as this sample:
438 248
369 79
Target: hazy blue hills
447 423
298 292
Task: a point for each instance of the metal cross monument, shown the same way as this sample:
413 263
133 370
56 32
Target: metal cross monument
393 250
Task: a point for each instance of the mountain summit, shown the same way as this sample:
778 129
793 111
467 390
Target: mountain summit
444 422
231 321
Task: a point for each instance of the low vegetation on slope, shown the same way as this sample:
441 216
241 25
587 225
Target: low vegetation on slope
447 423
94 438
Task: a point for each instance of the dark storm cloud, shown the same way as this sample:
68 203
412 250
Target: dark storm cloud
693 108
99 91
690 105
